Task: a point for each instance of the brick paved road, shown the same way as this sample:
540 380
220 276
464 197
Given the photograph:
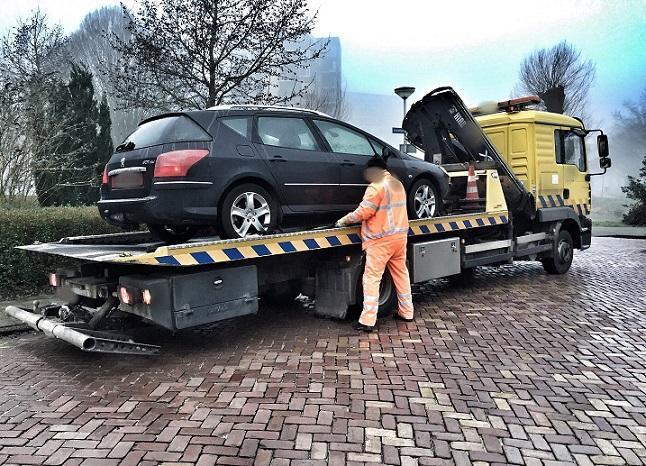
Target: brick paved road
520 367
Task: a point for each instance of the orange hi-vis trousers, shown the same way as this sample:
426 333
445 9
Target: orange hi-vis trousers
390 252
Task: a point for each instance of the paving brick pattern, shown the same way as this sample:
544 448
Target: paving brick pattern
517 368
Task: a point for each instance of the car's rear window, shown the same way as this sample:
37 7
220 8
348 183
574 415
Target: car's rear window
164 130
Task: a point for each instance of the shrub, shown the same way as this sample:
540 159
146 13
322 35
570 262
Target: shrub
636 190
23 272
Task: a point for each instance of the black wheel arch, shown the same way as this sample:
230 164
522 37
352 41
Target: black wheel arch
572 227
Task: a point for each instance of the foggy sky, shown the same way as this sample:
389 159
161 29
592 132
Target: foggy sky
474 46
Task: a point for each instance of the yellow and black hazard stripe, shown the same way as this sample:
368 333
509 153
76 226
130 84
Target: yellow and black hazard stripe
580 207
214 252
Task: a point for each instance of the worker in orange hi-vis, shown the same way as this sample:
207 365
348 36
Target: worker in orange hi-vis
384 232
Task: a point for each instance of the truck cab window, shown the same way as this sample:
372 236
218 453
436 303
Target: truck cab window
570 149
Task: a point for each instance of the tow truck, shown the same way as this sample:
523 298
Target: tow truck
533 204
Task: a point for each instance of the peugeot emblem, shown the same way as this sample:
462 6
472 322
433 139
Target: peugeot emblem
123 162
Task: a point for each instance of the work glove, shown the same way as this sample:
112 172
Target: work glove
339 223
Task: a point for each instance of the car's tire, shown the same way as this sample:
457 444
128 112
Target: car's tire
562 255
248 209
172 234
424 200
387 296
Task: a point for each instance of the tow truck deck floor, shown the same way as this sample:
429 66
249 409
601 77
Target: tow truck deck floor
119 247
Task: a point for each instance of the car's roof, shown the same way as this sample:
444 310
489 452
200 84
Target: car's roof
268 108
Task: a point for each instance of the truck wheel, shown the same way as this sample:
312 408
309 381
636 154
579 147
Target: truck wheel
282 293
464 278
248 210
387 296
562 256
423 200
172 234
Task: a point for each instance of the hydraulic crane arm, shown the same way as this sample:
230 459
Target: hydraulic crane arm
440 123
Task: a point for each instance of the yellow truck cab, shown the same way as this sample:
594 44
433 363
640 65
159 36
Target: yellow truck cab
539 158
547 153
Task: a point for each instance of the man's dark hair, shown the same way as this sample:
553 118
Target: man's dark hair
376 162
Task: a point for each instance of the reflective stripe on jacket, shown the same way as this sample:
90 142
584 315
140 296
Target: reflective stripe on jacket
382 211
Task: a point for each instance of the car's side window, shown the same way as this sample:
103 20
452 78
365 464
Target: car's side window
240 125
379 147
289 132
344 140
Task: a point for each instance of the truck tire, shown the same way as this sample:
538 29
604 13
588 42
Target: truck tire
387 296
562 256
464 278
248 210
281 293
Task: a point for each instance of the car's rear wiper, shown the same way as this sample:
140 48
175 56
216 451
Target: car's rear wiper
129 145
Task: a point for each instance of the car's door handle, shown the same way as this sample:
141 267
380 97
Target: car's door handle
277 158
347 163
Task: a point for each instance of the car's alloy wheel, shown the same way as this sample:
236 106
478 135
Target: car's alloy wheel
248 210
423 200
250 214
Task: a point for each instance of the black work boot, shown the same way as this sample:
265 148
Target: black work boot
396 316
363 328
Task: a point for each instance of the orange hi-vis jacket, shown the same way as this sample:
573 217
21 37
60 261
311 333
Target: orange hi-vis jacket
382 211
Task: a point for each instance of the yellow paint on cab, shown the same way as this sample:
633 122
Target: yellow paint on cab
526 140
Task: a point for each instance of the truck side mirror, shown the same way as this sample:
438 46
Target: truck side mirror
602 146
605 162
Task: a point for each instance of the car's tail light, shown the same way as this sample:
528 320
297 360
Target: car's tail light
178 162
104 179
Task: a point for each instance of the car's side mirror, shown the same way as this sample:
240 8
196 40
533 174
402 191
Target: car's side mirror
602 146
605 162
386 153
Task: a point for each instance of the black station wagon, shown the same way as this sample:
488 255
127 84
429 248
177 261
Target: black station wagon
249 170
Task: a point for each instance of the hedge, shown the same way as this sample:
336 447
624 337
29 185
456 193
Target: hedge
22 272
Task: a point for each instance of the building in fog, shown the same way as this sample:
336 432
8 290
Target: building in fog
321 76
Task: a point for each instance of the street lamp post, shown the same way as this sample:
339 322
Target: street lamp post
404 92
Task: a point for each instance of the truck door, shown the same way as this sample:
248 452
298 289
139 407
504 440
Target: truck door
571 156
306 175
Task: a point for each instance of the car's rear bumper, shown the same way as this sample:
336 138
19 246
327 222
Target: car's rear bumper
167 204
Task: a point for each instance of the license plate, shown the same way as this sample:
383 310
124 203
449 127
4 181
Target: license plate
127 180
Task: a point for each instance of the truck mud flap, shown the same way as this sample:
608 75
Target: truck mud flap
91 341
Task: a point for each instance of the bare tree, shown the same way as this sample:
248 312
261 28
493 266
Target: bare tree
331 101
560 76
628 140
90 45
15 161
31 57
198 53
